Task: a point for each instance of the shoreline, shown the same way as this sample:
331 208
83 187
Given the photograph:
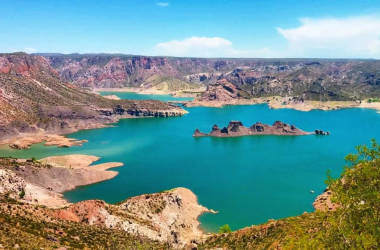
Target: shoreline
175 93
279 104
274 102
67 173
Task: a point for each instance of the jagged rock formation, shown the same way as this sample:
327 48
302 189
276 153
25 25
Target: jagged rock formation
306 79
236 128
34 100
221 90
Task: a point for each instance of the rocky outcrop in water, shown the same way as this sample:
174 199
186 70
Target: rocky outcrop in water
236 128
321 132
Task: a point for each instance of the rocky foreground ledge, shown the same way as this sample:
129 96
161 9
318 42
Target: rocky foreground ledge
169 217
236 128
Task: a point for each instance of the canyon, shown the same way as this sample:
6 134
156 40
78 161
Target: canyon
305 79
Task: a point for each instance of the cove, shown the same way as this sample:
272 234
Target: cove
247 179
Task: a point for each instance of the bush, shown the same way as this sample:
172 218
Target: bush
225 229
22 194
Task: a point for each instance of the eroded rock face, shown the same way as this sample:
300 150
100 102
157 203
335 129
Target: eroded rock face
236 128
11 184
323 202
33 99
259 127
215 128
221 90
167 217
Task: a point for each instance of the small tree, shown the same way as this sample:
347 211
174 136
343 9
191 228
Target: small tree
356 223
22 193
225 229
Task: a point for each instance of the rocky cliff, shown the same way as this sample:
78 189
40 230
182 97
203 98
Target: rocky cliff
221 90
306 79
236 128
33 99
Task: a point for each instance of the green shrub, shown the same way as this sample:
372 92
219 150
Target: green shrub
225 229
22 194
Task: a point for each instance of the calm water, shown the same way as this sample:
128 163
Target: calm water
248 179
135 96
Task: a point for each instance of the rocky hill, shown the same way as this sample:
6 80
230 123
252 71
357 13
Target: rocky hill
307 79
33 99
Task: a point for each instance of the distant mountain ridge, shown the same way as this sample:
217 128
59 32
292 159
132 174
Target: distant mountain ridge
309 79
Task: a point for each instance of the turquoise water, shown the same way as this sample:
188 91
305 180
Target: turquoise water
135 96
247 179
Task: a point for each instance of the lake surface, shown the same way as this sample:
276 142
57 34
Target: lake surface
135 96
247 179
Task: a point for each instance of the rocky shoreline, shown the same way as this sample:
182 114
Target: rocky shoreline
51 133
236 128
168 217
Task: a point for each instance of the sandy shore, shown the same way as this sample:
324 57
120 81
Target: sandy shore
24 141
79 161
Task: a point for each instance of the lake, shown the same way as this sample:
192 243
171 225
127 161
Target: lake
247 179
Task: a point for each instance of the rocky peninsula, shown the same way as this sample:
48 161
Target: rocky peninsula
236 128
169 217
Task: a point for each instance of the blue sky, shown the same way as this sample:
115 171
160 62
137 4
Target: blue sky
199 28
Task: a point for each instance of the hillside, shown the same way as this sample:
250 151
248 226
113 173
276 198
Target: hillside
33 99
307 79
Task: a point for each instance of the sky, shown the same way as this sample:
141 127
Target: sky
194 28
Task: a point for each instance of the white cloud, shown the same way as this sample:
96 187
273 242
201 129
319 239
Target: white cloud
30 50
162 4
207 47
331 37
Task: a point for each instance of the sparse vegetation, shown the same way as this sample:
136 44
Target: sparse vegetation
371 100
